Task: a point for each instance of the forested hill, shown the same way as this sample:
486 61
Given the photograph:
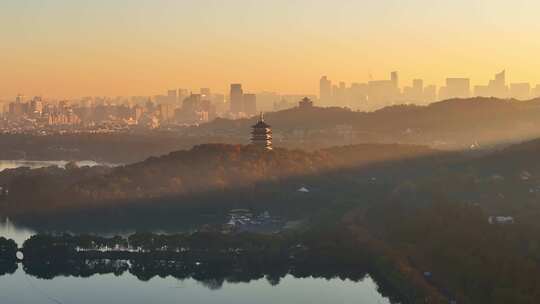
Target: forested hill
447 125
203 169
452 123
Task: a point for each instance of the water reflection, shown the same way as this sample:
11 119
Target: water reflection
109 288
12 164
9 230
213 274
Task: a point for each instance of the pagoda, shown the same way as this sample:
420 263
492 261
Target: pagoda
261 135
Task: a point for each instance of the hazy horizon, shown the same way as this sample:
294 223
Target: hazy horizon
67 49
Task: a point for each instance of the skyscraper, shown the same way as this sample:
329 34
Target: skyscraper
495 88
182 94
381 93
36 106
415 92
456 88
500 79
192 102
237 98
521 91
19 98
325 90
172 96
430 93
395 79
418 85
250 104
536 91
206 94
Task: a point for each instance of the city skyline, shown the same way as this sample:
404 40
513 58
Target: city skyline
72 48
498 86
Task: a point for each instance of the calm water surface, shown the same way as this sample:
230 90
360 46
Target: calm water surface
24 289
12 164
7 228
10 231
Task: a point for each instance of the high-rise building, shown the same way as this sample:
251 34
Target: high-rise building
381 93
206 94
172 96
250 104
495 88
499 81
418 85
192 103
536 91
19 98
237 98
521 91
266 100
482 90
191 109
325 90
358 93
456 88
430 94
395 79
166 112
339 94
36 106
182 94
415 92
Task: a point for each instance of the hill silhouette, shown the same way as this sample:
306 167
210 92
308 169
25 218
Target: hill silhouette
454 123
202 169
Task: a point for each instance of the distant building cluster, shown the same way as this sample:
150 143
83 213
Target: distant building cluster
379 93
177 107
242 104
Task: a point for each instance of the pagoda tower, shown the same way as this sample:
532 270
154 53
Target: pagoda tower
261 135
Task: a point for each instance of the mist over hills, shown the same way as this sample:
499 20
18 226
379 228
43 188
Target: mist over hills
449 124
480 123
221 176
204 169
414 208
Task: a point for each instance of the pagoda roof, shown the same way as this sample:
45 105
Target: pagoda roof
261 125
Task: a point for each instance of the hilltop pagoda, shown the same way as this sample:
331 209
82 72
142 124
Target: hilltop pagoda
261 135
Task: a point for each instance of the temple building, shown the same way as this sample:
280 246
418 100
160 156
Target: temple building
305 103
262 134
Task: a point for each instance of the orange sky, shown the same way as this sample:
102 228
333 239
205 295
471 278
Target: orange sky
69 48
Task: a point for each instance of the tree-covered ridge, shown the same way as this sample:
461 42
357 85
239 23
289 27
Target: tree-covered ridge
208 256
420 216
203 169
451 123
439 228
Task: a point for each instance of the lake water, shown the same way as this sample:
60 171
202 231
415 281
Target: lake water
23 288
10 231
11 164
20 288
7 228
